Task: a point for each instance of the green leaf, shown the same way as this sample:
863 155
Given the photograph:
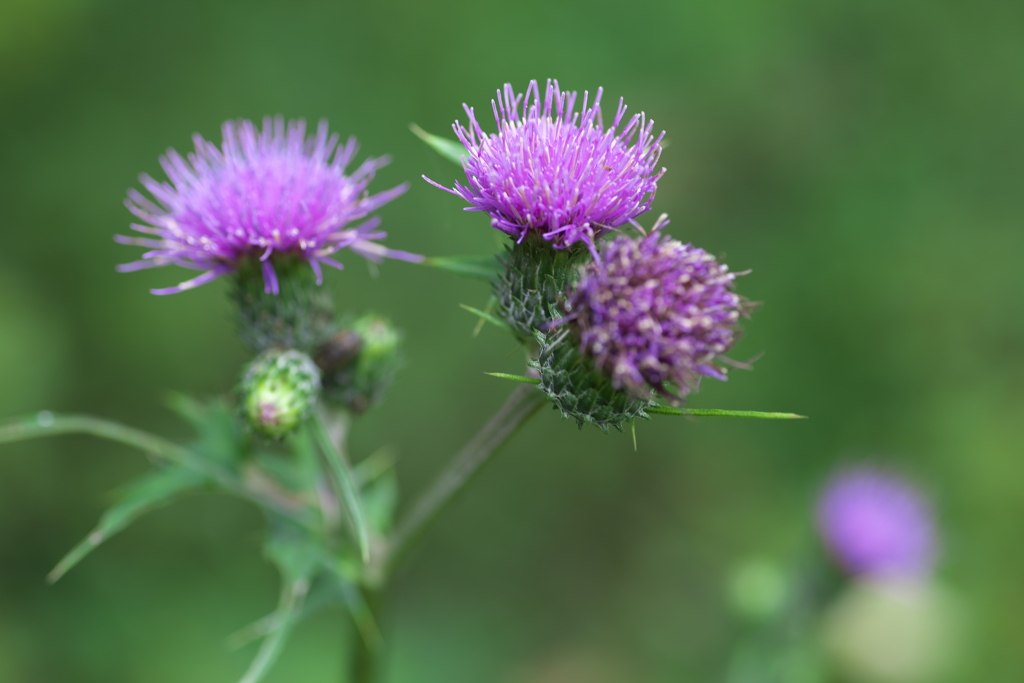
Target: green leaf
514 378
482 267
299 556
46 423
144 495
452 150
713 412
219 438
486 316
345 482
374 466
380 500
292 550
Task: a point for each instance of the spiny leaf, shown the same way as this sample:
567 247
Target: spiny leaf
514 378
187 407
293 550
146 494
450 149
486 316
482 267
46 423
713 412
219 437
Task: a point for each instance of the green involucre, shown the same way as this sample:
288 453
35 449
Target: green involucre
279 390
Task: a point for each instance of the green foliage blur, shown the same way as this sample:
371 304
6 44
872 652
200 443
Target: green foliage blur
863 158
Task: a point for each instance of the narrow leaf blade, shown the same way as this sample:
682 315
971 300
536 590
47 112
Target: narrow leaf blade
380 499
450 149
481 267
144 495
514 378
714 412
345 481
486 316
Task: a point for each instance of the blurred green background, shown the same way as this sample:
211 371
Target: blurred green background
864 158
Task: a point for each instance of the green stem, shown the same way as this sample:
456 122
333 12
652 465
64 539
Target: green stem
522 404
293 596
50 424
364 657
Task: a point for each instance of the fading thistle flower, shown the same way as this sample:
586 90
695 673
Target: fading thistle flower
656 314
555 171
876 523
262 193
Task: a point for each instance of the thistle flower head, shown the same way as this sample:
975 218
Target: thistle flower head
874 522
261 194
556 171
656 314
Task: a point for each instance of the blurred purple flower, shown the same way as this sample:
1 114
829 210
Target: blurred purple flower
874 522
656 314
557 172
263 193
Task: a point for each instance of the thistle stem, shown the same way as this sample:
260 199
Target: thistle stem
365 656
520 406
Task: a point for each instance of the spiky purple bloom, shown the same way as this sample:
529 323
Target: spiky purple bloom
262 194
555 171
875 522
654 313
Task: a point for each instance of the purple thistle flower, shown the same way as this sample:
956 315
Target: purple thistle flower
263 193
874 522
557 172
654 312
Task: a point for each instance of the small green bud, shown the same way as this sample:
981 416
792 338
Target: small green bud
359 363
279 390
758 589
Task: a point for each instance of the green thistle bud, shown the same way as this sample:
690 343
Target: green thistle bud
359 363
279 390
532 287
578 389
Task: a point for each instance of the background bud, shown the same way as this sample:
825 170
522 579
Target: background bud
279 390
875 522
359 363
